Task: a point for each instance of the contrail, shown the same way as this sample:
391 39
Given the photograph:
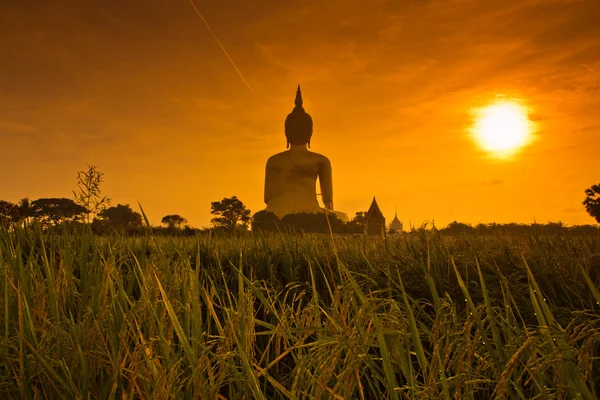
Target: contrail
222 48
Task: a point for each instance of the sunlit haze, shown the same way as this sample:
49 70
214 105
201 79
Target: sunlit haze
143 90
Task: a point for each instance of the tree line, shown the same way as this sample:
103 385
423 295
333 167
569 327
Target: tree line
57 211
231 215
89 206
558 228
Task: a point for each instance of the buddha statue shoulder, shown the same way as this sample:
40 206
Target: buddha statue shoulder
290 177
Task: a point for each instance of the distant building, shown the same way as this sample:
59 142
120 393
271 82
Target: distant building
396 224
374 220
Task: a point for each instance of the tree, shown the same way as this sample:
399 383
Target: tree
592 202
173 221
357 224
56 210
265 221
89 194
230 213
360 218
9 213
457 228
121 217
25 209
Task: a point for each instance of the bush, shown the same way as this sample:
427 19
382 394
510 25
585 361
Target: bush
312 223
265 221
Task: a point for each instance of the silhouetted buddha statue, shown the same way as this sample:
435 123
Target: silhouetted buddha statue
290 179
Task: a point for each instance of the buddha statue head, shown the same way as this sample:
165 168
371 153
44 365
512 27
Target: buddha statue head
298 124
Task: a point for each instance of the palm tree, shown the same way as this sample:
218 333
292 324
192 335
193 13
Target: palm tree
24 209
592 202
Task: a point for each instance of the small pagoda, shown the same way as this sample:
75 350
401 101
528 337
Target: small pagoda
396 225
374 220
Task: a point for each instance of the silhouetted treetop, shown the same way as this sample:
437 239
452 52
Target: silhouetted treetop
121 217
265 221
592 202
360 217
9 213
25 208
230 213
173 221
56 210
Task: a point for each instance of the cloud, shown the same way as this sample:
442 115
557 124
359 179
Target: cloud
492 182
14 127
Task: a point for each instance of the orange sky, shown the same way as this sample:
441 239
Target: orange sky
142 90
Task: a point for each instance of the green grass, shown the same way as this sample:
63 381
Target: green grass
298 316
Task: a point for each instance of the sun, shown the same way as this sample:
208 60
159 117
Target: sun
502 128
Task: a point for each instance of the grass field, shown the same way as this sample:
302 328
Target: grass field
298 316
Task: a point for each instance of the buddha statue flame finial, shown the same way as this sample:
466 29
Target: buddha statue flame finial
298 100
298 124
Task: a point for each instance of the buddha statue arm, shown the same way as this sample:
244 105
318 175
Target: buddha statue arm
268 183
326 182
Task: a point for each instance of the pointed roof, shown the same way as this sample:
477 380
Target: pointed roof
374 212
396 214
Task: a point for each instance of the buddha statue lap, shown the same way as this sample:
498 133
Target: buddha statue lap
290 178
